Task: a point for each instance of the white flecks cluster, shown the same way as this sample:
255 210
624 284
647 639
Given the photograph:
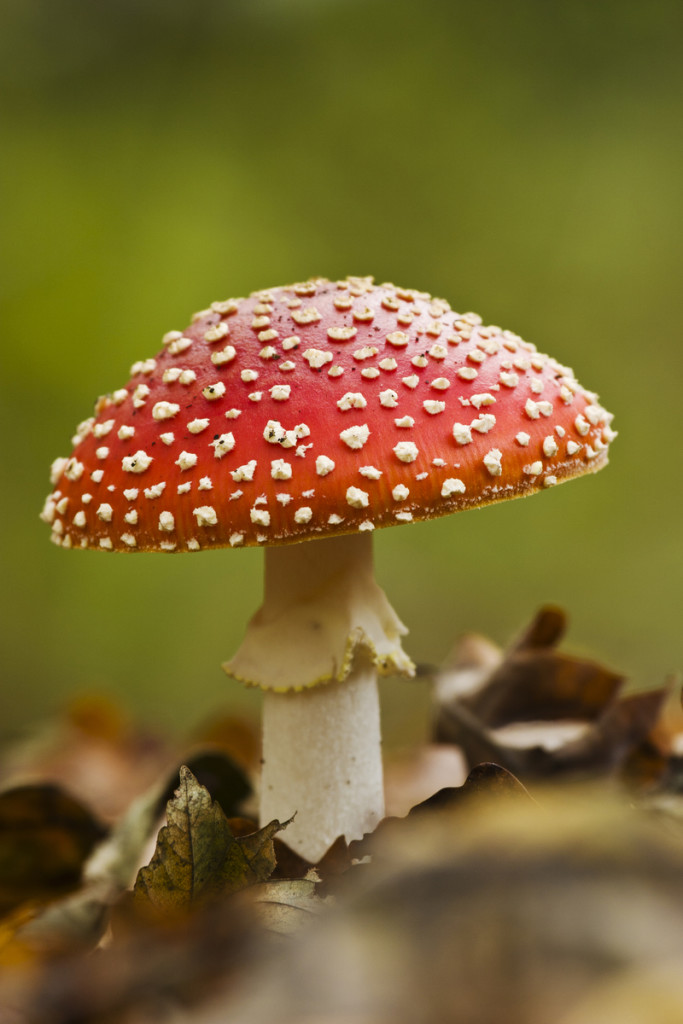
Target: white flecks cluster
367 352
223 444
462 433
165 410
206 515
197 425
215 333
214 391
399 339
357 498
140 395
260 517
245 472
433 407
275 433
352 400
179 345
155 491
225 355
536 409
406 451
280 469
317 358
355 437
452 486
136 463
388 398
186 460
493 461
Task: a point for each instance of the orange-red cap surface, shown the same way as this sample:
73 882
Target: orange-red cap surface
319 409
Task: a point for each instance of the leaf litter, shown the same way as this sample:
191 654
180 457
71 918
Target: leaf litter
129 927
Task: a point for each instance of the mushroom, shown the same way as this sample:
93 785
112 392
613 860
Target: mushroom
320 412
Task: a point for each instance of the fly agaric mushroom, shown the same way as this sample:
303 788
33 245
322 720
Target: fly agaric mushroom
320 411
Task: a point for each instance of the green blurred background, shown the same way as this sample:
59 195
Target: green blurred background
523 159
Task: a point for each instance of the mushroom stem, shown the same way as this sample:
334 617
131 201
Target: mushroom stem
321 604
322 757
324 620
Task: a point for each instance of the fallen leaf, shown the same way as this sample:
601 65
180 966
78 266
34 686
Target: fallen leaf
485 782
536 711
508 914
197 856
78 921
45 838
414 775
286 905
223 777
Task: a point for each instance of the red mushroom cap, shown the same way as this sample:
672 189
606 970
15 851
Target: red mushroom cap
318 409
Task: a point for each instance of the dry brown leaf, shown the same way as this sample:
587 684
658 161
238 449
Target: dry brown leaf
538 712
486 782
45 838
285 905
197 855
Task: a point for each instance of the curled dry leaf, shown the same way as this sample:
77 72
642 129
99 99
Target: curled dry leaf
285 905
537 711
197 855
485 783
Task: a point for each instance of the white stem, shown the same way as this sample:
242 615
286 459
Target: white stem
316 645
322 759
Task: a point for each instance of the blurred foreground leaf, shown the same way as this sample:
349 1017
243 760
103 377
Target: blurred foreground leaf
198 856
78 921
502 913
45 837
